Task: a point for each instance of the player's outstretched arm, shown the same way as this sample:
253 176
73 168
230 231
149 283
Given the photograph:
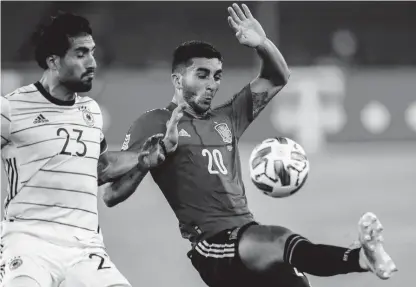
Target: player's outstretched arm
113 164
152 154
274 73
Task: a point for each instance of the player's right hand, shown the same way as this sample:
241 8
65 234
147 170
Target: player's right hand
151 154
171 137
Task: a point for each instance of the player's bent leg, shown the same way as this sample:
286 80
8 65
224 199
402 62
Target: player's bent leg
260 246
263 248
95 269
217 261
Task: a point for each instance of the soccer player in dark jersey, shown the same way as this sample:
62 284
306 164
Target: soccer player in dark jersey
202 179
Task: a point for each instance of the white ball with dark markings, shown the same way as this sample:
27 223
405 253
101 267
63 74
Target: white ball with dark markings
279 167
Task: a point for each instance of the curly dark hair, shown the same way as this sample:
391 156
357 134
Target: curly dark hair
53 38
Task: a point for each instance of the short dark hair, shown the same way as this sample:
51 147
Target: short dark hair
53 38
194 49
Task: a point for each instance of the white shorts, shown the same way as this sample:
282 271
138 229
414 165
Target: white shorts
52 265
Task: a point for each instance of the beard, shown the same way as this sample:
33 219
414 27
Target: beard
190 99
77 86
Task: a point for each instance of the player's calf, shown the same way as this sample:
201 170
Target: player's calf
262 248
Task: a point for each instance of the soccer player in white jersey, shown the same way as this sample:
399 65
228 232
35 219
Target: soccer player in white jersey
54 154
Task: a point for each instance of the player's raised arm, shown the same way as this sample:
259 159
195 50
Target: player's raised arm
274 72
151 154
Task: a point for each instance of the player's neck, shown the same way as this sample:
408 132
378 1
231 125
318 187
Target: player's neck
55 89
188 109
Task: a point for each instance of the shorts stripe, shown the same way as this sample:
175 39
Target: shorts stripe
217 245
210 249
214 250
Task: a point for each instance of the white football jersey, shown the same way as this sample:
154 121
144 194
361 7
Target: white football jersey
50 150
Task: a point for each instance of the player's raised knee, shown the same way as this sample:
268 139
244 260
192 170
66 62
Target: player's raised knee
262 247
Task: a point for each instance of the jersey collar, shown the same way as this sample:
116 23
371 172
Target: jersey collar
49 97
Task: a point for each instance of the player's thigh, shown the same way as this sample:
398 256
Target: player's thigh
260 247
27 271
217 261
95 269
282 275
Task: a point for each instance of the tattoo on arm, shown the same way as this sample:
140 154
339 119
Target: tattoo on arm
123 187
260 100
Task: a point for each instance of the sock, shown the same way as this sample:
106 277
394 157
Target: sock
320 260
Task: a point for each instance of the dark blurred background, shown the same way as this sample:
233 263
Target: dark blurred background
351 103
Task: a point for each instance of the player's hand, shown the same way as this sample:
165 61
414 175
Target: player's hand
248 30
151 153
171 137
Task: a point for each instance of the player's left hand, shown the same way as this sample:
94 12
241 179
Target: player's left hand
248 30
171 137
151 153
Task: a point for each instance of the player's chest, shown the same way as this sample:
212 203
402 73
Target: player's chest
206 133
206 145
70 123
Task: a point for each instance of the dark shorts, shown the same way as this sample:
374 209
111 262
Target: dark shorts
219 265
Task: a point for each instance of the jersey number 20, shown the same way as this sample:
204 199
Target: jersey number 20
215 161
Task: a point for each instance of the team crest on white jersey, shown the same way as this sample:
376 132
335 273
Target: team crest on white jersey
87 115
15 263
224 132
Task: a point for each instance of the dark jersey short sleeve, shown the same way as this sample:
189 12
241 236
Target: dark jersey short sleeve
240 110
147 125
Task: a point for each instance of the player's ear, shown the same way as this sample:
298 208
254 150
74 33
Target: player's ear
52 62
177 80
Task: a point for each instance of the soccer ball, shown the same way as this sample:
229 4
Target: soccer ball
279 167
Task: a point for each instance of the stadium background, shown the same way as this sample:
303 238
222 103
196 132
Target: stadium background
350 102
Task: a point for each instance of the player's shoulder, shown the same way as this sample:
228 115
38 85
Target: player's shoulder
22 92
21 96
154 116
28 89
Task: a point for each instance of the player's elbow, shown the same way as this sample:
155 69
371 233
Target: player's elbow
281 78
109 198
276 78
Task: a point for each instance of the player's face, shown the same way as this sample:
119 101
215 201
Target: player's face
200 83
77 67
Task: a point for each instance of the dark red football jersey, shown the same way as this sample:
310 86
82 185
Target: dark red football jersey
202 180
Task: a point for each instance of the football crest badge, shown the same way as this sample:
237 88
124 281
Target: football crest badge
225 132
15 263
87 115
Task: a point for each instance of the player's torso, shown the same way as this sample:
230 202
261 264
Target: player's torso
207 148
52 161
204 186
